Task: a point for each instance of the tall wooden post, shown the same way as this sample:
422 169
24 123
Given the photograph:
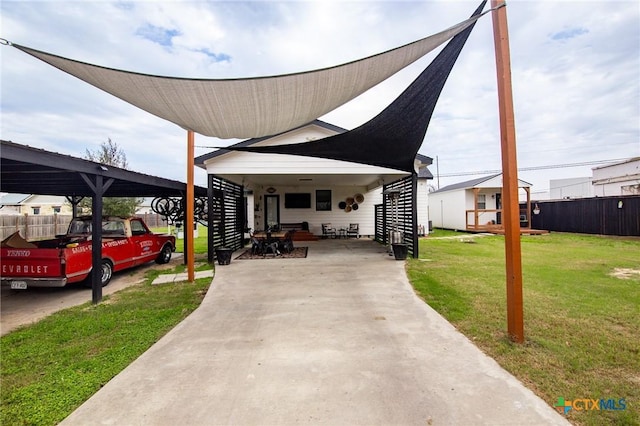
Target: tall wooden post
511 207
188 219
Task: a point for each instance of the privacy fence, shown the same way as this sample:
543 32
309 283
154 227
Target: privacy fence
599 215
34 227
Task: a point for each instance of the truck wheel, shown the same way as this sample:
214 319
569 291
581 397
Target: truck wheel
165 255
107 272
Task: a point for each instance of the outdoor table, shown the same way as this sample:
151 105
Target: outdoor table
274 235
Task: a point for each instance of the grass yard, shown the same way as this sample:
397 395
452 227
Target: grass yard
582 323
199 243
51 367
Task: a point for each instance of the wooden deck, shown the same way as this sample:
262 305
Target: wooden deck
499 230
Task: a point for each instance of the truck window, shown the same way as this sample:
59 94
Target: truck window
80 227
137 228
113 227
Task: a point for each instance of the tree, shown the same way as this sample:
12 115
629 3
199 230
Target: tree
111 154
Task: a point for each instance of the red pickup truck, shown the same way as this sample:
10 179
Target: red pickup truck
126 242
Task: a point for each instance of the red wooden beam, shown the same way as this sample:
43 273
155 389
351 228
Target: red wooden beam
511 206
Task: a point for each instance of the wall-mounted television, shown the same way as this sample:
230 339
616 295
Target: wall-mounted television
295 200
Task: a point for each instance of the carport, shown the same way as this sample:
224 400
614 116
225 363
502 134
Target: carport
24 169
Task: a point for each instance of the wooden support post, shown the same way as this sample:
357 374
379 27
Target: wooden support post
528 191
188 225
511 206
476 217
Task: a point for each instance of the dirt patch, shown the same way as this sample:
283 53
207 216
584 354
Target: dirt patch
625 273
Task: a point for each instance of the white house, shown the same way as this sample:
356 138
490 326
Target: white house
617 179
283 189
473 205
33 204
560 189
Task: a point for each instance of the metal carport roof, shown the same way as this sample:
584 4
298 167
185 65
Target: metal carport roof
25 169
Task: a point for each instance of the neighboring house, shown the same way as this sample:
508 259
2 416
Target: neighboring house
33 204
282 189
474 205
145 206
617 179
562 189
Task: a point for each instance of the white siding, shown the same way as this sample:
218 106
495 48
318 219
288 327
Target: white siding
570 188
423 206
364 216
617 179
446 209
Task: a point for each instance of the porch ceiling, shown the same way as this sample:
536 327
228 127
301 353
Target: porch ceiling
369 181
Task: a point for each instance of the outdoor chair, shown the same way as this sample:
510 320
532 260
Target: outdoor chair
353 230
270 245
328 231
286 244
257 245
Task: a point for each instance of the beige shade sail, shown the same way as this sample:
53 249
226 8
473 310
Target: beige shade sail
250 107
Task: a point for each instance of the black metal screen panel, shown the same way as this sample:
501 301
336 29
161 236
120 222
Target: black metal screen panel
406 214
379 224
225 208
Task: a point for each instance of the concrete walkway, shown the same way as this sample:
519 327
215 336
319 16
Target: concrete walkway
338 338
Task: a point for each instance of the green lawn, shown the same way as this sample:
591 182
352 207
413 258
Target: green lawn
582 324
51 367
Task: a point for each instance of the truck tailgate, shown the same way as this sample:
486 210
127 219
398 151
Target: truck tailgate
35 263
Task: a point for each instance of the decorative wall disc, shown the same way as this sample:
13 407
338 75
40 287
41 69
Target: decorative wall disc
359 198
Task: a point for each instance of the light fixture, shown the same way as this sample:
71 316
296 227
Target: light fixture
536 209
271 190
103 168
620 204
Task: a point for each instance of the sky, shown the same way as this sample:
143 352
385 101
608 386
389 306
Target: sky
575 72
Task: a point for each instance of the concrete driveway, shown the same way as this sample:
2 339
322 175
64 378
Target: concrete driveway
338 338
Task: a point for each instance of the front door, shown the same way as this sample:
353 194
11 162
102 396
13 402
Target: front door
271 211
499 207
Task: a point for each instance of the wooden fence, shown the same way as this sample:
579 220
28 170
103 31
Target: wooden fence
34 227
598 215
42 227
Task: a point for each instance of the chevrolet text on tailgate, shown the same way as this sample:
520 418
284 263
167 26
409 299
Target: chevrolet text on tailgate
126 242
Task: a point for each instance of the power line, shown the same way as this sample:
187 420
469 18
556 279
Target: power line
527 169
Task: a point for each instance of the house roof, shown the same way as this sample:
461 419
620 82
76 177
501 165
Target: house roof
13 199
25 169
471 183
630 160
200 160
425 173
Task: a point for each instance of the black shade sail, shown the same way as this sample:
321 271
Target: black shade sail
392 138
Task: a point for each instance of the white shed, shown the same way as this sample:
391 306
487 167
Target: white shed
473 205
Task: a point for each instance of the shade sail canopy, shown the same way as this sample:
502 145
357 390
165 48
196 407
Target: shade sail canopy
250 107
392 138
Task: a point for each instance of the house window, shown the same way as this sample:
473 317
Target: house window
36 210
323 200
56 209
482 202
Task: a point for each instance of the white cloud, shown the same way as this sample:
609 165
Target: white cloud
575 69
